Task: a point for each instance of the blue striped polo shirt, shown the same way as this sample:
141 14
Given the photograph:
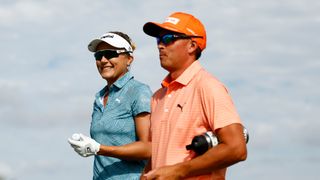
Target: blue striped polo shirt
114 125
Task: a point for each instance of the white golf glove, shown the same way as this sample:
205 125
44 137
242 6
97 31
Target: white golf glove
83 145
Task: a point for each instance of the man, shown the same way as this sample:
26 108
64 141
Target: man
190 102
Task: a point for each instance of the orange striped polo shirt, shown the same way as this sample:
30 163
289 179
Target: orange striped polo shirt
194 103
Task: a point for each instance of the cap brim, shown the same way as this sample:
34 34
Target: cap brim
154 29
93 44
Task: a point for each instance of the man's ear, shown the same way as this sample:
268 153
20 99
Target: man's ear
193 46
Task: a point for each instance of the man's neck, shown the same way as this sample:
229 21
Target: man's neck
175 74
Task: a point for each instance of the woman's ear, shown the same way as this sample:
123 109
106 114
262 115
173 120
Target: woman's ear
130 59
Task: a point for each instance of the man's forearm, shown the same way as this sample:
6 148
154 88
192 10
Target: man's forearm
214 159
230 150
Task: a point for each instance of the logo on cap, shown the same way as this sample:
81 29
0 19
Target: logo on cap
172 20
107 36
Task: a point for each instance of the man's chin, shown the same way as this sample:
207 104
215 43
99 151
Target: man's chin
166 67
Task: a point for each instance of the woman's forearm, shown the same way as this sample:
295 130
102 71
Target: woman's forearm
138 150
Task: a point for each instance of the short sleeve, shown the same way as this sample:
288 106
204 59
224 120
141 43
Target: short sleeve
219 106
142 100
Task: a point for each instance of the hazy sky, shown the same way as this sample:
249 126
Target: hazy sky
265 52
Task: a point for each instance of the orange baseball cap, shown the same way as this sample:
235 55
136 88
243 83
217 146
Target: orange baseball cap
181 23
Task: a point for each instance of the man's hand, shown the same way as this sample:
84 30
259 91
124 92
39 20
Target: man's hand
164 173
85 146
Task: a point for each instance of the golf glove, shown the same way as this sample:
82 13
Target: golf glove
85 146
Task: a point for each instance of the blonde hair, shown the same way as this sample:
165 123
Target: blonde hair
126 37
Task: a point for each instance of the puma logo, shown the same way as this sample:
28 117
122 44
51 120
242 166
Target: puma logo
118 100
180 106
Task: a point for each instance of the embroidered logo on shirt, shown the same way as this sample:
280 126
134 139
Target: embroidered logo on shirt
118 100
181 106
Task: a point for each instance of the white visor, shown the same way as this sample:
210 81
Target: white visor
112 39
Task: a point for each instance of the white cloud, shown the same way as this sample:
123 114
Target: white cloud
13 14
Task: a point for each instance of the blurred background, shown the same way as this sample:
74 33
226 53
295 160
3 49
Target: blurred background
265 52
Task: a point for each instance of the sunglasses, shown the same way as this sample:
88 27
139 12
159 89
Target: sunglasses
109 53
170 38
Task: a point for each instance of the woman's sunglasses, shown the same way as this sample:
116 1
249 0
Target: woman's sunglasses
109 53
170 38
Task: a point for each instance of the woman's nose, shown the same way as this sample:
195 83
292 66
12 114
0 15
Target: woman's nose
104 59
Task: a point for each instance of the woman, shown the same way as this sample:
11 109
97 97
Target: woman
121 112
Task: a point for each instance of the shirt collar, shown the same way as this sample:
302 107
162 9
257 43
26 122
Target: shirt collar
185 77
123 80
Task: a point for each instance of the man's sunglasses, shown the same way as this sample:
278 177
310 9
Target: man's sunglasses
109 53
170 38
